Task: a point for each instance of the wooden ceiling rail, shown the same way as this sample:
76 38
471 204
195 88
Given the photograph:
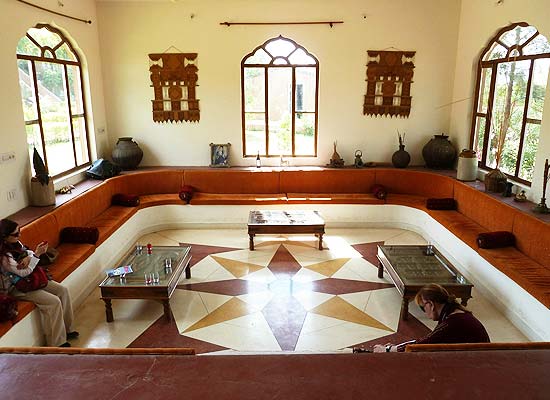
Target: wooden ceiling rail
331 23
86 21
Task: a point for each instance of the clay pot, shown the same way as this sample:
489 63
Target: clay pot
439 153
127 153
401 158
495 181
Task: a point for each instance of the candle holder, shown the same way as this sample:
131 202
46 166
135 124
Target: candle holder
542 208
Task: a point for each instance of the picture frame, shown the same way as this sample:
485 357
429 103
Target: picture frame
219 155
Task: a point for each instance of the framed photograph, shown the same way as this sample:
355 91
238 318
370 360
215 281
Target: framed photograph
219 154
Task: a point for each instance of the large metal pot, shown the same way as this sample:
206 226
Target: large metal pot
127 153
439 153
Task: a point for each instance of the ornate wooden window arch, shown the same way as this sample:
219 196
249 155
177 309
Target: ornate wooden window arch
52 91
279 94
512 76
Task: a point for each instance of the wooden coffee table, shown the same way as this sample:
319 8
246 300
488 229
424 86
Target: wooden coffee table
134 285
411 267
285 222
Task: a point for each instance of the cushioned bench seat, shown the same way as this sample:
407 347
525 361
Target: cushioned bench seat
110 220
462 227
336 181
232 182
416 183
409 200
150 200
528 274
528 263
233 198
148 182
533 238
333 198
70 255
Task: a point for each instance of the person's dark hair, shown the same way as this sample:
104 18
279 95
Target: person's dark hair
438 294
7 226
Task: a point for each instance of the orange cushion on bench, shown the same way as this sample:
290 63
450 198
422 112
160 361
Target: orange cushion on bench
234 182
327 181
228 198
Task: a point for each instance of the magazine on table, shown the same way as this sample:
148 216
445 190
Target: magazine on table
122 270
33 262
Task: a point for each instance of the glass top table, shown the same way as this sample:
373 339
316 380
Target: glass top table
155 276
411 267
285 222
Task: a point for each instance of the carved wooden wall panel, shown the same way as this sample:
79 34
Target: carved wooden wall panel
389 78
174 78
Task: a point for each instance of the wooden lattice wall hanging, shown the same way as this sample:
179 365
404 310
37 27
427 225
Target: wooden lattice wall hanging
174 78
389 78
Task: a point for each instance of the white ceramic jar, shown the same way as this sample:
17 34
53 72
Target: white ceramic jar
467 166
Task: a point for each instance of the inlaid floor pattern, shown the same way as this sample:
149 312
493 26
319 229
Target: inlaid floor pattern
286 295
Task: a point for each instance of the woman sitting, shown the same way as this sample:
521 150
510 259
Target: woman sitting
455 323
53 300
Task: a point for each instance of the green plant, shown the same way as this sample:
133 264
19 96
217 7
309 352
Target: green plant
40 169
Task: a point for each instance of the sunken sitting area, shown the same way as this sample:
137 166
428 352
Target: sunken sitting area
241 199
512 276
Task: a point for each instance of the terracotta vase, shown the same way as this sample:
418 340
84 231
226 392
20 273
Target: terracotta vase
495 181
401 158
127 154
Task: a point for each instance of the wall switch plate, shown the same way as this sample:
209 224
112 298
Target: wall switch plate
12 194
7 157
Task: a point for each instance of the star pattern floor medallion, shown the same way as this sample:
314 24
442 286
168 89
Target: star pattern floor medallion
285 296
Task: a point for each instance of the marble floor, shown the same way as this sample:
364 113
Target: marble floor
285 296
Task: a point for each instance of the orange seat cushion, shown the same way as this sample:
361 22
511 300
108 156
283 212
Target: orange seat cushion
151 200
327 181
44 228
480 207
233 182
415 183
227 199
148 182
333 198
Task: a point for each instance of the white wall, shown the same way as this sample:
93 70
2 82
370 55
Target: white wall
446 35
480 21
15 19
129 31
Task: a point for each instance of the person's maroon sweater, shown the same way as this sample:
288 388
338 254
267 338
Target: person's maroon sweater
460 327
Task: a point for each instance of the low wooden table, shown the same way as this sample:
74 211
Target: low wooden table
411 267
134 285
285 222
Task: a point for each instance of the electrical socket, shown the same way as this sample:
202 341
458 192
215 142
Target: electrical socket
12 194
7 157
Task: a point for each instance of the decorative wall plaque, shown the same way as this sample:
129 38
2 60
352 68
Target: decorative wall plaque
389 78
174 78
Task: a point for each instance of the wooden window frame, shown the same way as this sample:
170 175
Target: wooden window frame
71 115
493 65
266 96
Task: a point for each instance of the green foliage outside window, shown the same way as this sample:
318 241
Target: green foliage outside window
510 64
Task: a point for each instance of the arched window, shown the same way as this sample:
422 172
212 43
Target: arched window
50 76
280 81
510 89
